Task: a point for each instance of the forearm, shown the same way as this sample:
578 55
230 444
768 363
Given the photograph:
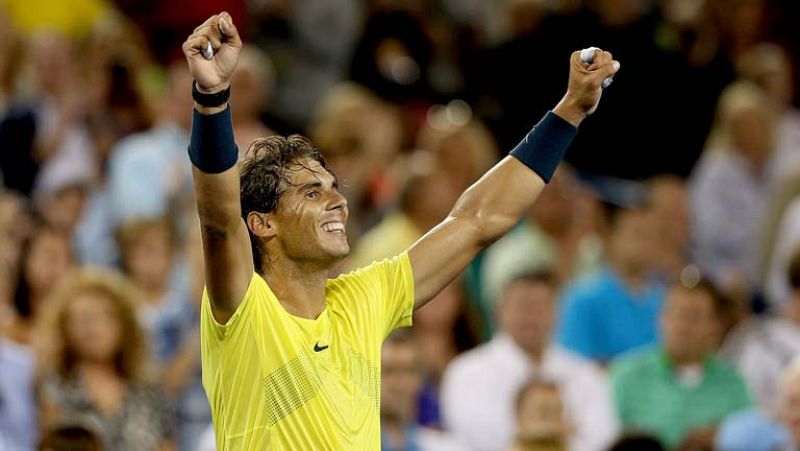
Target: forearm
213 153
502 196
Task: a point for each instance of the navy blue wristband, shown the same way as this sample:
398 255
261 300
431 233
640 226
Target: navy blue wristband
544 147
212 148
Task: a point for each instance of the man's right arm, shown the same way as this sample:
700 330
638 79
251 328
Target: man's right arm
226 242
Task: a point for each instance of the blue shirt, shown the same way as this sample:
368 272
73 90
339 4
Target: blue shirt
601 318
18 426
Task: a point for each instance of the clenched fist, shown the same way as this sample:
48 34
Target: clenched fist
214 74
585 85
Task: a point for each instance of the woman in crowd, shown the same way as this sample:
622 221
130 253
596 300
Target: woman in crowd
92 353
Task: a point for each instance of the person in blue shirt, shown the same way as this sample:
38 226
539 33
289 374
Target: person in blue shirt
616 309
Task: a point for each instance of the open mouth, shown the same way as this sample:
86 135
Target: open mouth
335 227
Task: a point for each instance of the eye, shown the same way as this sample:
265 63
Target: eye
312 195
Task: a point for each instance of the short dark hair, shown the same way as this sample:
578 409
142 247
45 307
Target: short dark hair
722 304
263 175
70 437
794 270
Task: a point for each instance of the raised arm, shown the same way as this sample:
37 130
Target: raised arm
226 243
491 207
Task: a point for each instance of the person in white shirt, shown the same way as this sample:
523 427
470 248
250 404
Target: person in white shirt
762 347
479 387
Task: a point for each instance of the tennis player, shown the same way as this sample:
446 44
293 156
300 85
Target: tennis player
291 359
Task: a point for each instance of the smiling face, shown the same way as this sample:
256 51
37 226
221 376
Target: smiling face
310 219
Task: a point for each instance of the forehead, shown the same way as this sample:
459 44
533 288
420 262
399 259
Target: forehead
308 170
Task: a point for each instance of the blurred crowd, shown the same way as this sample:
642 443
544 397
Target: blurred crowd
650 299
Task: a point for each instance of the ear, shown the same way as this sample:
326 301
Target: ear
262 225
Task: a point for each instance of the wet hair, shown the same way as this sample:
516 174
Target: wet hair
70 437
264 176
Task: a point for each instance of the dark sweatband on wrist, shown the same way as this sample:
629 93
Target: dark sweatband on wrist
544 147
212 148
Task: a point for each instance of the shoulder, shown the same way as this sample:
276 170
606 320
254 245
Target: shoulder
474 361
575 364
374 273
15 358
588 287
635 364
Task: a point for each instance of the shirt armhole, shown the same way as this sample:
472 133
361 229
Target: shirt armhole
223 329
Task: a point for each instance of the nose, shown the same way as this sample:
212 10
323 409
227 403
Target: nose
337 201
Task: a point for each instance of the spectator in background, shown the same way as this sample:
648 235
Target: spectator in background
401 381
148 249
70 438
668 200
18 416
480 386
789 412
251 88
679 391
730 188
46 141
770 67
181 373
148 172
752 430
762 347
361 137
46 257
550 238
616 309
94 360
312 42
541 424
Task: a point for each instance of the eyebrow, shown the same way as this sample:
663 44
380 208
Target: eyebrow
316 184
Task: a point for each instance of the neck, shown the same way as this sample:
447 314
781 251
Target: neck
536 353
632 276
299 288
96 368
793 312
394 430
679 360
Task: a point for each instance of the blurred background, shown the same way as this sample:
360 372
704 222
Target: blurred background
649 300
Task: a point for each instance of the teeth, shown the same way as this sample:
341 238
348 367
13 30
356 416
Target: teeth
336 227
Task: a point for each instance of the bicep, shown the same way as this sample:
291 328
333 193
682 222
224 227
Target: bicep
439 256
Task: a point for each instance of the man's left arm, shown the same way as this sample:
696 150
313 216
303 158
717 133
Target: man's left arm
491 207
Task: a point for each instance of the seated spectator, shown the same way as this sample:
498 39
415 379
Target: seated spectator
541 424
250 90
549 238
401 381
94 358
762 347
789 412
70 438
616 309
46 256
679 391
730 187
148 255
18 416
668 200
752 430
480 386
